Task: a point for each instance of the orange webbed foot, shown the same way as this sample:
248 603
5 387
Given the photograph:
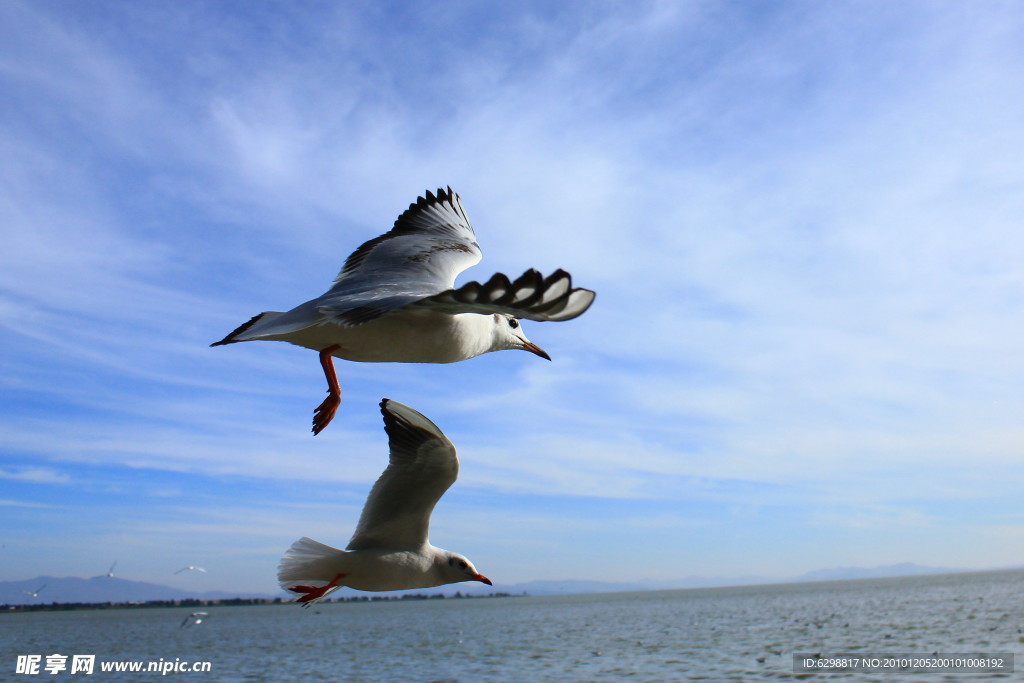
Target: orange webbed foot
324 413
311 593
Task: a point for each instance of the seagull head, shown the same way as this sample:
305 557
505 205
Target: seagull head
508 334
461 569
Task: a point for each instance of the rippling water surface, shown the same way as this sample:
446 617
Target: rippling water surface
747 633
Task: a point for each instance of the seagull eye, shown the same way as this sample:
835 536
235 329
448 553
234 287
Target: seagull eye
513 323
462 564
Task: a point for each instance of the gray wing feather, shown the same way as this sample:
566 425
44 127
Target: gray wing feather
441 215
422 466
429 245
415 265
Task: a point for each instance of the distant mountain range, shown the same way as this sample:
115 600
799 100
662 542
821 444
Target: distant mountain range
99 589
836 574
841 573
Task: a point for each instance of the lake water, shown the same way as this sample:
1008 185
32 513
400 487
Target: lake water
721 634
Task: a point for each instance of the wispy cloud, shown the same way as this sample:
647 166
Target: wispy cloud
25 504
34 475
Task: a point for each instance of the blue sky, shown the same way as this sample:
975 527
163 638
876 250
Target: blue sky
802 220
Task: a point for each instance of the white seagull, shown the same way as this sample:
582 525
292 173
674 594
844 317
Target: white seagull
36 592
190 568
111 572
394 301
194 618
390 549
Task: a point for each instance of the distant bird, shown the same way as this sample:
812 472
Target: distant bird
111 572
190 568
36 592
390 549
194 618
394 301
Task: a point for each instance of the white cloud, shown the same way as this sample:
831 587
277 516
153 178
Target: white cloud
34 475
26 504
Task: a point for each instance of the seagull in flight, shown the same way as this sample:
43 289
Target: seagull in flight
111 572
395 301
194 618
36 592
389 549
190 568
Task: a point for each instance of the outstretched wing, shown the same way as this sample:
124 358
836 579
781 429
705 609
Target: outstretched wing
429 245
422 466
531 296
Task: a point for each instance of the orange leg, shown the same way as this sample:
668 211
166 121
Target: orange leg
310 593
324 413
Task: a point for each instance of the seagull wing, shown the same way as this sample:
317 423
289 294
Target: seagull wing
423 465
531 296
429 245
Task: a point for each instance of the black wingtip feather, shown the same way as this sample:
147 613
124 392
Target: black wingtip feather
532 279
428 198
531 286
401 432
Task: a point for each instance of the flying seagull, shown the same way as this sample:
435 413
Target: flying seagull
394 301
390 549
111 572
194 618
190 568
36 592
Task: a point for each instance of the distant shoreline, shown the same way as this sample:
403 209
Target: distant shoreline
834 577
238 602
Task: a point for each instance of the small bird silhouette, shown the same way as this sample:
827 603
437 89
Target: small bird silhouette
191 568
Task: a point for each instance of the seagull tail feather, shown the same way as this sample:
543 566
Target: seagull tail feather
309 563
249 329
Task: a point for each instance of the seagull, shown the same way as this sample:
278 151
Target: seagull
36 592
111 572
194 618
190 568
395 301
389 550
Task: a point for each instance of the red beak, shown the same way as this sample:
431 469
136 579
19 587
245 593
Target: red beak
482 579
533 348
